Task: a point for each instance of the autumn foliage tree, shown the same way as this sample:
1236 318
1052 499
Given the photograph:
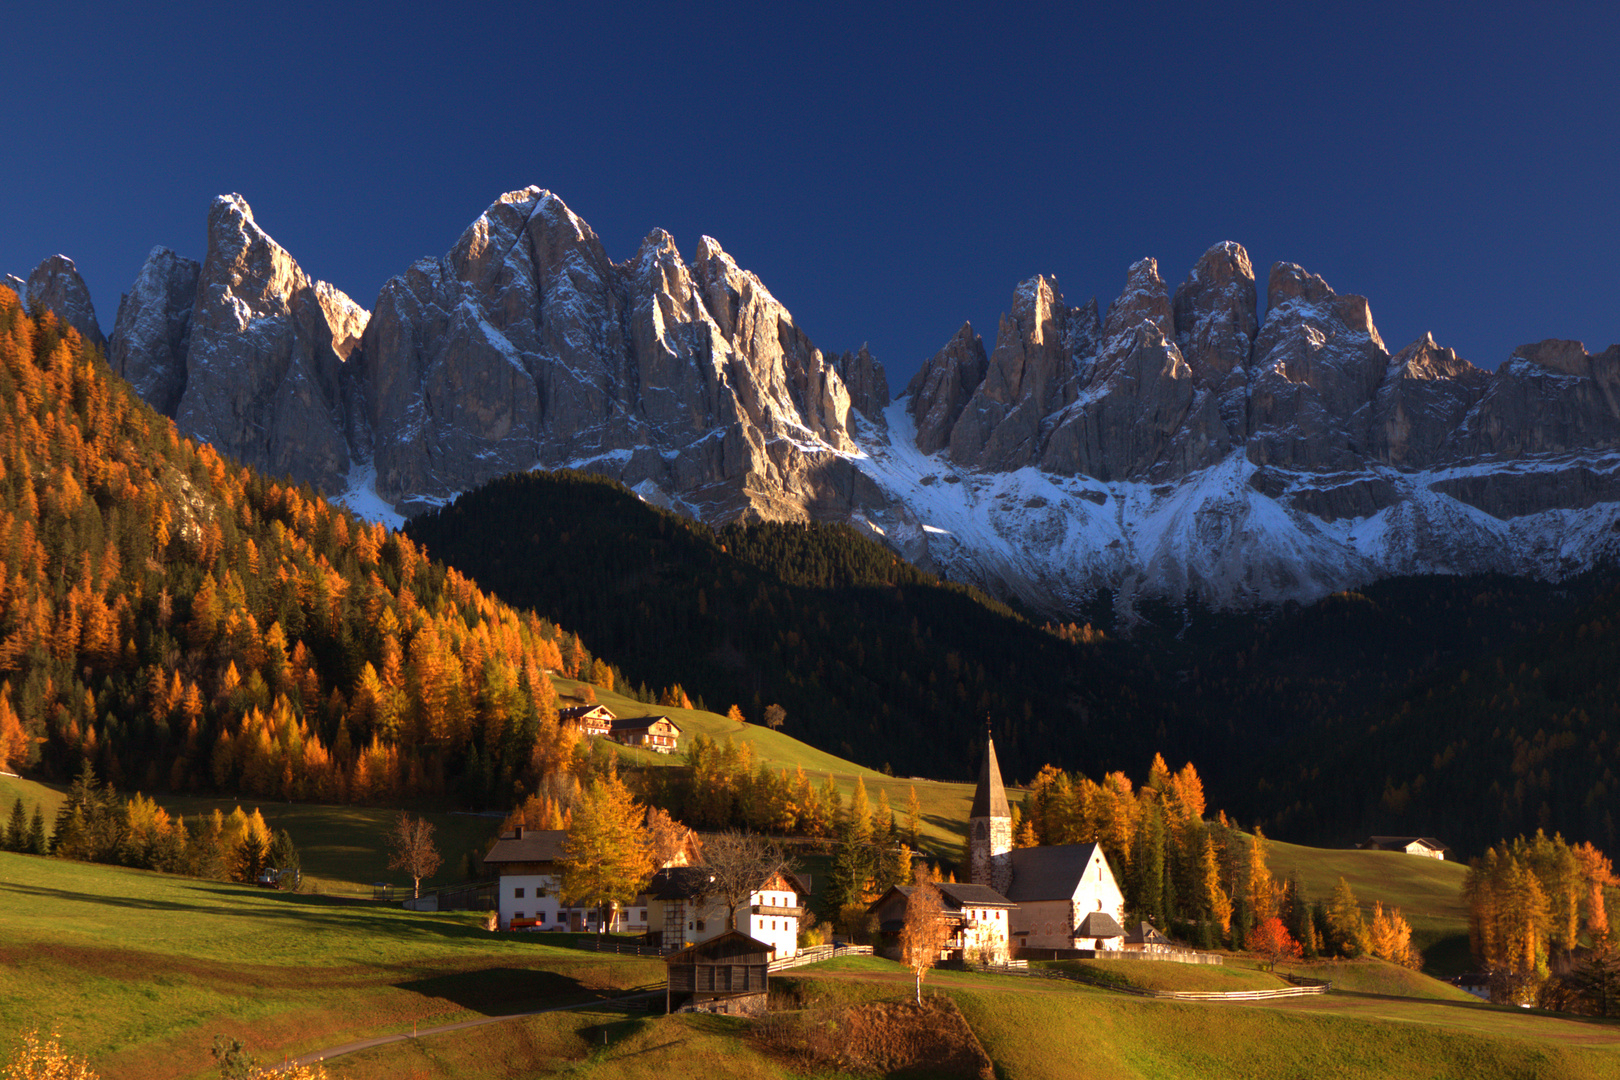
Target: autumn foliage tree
1272 942
39 1057
925 930
181 622
411 849
606 859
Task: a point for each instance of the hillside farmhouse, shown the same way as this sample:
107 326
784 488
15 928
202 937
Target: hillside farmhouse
528 864
657 733
587 719
681 910
978 916
1064 897
1425 846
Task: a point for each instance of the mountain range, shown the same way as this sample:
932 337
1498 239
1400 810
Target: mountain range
1178 443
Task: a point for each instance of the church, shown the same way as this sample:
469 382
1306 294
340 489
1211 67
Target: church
1064 897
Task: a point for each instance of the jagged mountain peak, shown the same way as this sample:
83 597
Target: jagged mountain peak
1174 443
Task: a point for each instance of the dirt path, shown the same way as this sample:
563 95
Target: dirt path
383 1040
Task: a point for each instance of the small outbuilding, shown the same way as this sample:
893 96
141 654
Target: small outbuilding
1143 938
726 974
1426 846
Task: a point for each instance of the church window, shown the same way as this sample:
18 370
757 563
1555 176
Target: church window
984 831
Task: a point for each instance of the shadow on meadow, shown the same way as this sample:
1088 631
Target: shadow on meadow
500 991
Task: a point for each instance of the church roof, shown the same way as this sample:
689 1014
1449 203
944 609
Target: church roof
990 800
1098 924
1048 873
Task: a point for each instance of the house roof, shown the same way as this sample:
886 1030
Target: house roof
641 723
687 882
679 883
1144 934
731 945
1048 873
1402 841
1098 924
956 895
990 799
974 895
528 845
575 712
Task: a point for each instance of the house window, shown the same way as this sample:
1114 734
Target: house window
540 915
517 915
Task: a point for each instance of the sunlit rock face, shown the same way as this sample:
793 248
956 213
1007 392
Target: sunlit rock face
55 285
265 356
1173 443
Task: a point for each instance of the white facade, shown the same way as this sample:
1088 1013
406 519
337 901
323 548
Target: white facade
529 896
534 896
1053 921
771 915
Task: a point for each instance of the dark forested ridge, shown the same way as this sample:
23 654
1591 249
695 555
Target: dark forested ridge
1324 721
870 657
1496 743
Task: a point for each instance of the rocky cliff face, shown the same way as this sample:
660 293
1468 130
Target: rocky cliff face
1176 443
152 333
526 345
264 360
55 285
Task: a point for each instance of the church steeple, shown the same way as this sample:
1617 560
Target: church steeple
990 826
990 801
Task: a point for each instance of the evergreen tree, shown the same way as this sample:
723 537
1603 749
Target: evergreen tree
16 838
38 842
283 853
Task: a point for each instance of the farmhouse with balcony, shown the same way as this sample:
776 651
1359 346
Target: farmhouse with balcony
587 719
979 919
682 909
657 733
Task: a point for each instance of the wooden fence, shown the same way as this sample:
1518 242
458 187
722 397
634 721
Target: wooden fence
817 953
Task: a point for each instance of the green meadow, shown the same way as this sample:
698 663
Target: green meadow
140 970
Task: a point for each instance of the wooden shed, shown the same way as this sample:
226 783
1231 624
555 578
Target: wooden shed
726 974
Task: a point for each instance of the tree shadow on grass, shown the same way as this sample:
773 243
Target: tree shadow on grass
501 991
315 911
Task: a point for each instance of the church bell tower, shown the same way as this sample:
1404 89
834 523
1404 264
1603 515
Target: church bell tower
990 827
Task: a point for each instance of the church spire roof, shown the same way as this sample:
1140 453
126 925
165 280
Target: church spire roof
990 800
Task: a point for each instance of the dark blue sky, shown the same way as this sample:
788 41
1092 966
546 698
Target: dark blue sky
887 171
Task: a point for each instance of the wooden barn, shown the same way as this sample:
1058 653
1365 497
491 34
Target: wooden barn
726 974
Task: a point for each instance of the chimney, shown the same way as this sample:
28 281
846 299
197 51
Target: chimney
520 832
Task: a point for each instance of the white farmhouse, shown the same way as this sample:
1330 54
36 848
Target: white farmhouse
682 910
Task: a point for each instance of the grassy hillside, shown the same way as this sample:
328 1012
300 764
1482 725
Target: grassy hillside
945 804
140 970
1428 892
1039 1029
